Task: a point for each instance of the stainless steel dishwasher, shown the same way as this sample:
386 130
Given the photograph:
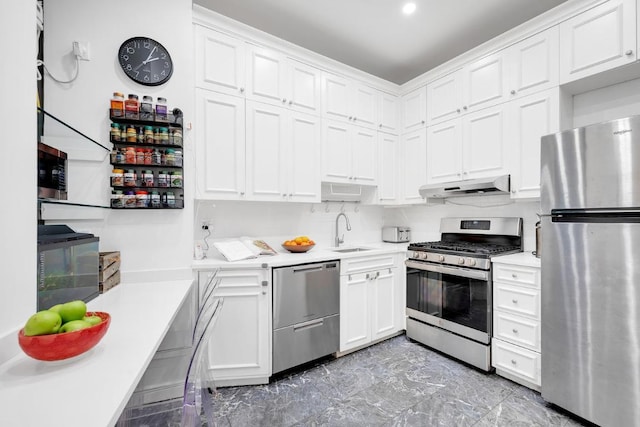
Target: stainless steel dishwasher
306 313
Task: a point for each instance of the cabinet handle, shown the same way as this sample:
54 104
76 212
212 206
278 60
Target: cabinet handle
458 110
515 301
284 100
241 90
242 193
515 331
513 362
464 107
629 52
367 277
513 92
284 194
290 194
380 125
350 117
464 173
514 275
355 118
514 191
290 102
264 287
422 121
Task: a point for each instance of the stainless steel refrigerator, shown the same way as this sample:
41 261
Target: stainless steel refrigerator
590 199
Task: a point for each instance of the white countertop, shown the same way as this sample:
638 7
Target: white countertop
521 258
93 388
285 258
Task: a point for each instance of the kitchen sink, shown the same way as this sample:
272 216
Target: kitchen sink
347 250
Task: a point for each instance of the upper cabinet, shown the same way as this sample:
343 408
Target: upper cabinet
413 157
220 62
350 153
388 113
598 39
444 98
274 78
388 168
414 109
349 101
533 64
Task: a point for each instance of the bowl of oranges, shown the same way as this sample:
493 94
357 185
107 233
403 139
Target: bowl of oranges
298 244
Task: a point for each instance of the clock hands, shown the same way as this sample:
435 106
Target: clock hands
149 59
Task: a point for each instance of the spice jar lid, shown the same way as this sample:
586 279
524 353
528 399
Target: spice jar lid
161 99
118 94
115 125
133 96
147 98
118 171
148 128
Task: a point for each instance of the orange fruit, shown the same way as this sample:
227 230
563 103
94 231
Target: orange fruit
299 240
311 242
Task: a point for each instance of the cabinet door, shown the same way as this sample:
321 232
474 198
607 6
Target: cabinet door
414 156
303 160
530 118
388 149
364 155
484 146
444 152
304 88
414 109
485 82
533 63
383 304
336 92
444 98
363 106
220 145
388 113
266 76
336 149
266 150
220 62
599 39
354 311
240 349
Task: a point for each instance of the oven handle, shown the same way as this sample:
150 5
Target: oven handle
454 271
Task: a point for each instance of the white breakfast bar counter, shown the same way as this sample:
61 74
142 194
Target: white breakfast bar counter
93 388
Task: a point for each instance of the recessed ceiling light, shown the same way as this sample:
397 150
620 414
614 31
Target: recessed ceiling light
409 8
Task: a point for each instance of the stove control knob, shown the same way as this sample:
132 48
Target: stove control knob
460 261
441 258
416 254
423 255
472 262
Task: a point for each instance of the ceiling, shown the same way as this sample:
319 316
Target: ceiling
375 36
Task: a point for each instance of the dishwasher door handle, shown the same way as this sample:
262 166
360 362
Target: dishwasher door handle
308 269
309 324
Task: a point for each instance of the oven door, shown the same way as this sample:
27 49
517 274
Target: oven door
453 298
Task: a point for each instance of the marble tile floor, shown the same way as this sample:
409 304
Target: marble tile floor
397 382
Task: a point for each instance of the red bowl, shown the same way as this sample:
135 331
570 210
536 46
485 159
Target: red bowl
63 346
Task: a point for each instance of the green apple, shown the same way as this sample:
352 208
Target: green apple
56 308
94 320
43 323
72 310
75 325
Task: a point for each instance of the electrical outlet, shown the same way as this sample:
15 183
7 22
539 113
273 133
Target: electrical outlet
81 50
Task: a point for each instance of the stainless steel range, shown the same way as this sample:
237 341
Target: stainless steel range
449 285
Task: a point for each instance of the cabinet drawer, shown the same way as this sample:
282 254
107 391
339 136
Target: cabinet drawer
516 361
517 299
529 276
517 330
359 265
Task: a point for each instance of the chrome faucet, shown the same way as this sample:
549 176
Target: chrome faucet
338 239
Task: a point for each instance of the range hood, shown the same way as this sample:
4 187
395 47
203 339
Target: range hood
469 187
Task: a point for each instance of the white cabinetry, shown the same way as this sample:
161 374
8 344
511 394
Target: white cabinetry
274 78
350 101
530 118
388 168
414 109
350 153
515 348
533 64
371 302
598 39
474 146
444 98
283 154
239 350
414 160
388 112
220 61
220 146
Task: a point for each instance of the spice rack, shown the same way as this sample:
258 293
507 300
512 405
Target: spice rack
147 160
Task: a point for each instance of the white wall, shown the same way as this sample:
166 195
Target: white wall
608 103
18 214
149 241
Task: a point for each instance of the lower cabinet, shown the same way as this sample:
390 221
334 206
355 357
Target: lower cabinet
240 347
371 303
515 348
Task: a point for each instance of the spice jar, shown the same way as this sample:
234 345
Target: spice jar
147 178
161 110
130 156
156 158
130 178
169 157
163 179
129 199
176 136
115 132
123 133
164 135
142 199
120 155
132 135
177 157
117 199
154 200
148 154
117 105
170 199
117 177
146 108
148 135
140 156
140 135
132 107
175 179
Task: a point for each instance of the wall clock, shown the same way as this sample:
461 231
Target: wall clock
145 61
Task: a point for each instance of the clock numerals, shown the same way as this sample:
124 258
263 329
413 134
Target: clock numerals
145 61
